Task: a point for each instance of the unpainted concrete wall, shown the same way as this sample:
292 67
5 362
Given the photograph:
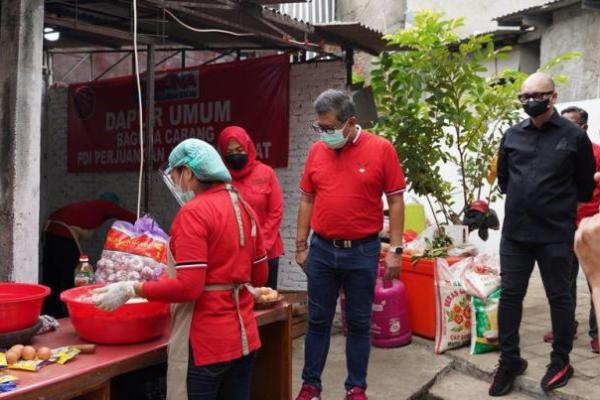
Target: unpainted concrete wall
21 26
60 188
575 29
478 13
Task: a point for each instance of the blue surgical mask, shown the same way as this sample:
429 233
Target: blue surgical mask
181 195
334 138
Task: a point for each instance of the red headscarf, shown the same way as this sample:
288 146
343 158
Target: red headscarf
240 135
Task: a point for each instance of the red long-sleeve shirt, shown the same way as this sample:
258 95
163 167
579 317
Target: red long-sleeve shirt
88 215
259 187
205 242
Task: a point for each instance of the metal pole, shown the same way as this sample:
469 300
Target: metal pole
149 167
349 65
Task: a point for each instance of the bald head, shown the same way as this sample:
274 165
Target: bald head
537 83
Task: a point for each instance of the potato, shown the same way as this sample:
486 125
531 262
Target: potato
44 353
11 357
28 353
17 349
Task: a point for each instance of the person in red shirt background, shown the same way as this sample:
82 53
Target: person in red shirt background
259 187
579 117
61 243
345 176
216 251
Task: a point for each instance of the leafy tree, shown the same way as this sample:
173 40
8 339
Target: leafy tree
439 109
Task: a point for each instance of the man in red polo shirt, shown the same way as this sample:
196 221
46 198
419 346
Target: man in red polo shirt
345 176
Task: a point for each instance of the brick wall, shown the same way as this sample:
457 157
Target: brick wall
60 188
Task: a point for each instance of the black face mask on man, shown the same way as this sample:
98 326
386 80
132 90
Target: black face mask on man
236 161
535 108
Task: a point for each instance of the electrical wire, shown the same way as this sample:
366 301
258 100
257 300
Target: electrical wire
140 116
205 30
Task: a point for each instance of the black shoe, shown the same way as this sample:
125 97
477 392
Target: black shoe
505 376
557 375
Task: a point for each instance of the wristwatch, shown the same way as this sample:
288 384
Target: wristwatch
396 249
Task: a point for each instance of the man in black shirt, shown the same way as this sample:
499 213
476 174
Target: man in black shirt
545 167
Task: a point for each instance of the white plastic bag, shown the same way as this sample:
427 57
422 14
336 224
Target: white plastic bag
452 306
480 275
133 252
422 243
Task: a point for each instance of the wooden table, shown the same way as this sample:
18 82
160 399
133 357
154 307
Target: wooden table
88 376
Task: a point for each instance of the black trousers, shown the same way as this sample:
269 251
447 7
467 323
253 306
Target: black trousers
59 258
555 261
273 273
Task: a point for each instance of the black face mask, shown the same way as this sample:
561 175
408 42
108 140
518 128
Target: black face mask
236 161
535 108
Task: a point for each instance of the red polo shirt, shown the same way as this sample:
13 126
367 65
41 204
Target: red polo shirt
205 242
348 184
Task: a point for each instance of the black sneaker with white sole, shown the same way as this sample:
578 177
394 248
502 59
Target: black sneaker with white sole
557 375
505 377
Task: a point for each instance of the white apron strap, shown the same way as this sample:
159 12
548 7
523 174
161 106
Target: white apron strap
235 289
178 349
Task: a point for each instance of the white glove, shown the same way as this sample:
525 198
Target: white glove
113 296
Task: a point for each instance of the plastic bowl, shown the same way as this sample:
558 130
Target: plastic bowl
131 323
20 305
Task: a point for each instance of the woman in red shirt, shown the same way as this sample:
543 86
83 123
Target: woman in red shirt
259 187
217 251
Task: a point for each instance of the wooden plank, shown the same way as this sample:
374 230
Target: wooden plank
272 378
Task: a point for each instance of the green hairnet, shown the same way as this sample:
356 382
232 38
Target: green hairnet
110 196
203 159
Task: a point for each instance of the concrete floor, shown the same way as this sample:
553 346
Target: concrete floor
415 372
393 373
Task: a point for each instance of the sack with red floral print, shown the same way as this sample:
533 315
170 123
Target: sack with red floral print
452 308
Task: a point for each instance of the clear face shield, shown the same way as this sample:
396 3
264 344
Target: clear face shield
165 174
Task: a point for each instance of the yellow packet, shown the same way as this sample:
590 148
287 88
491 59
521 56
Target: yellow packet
8 378
3 363
31 365
63 354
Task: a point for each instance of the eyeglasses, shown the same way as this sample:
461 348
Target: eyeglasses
318 129
537 96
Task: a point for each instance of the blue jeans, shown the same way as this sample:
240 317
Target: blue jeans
221 381
327 269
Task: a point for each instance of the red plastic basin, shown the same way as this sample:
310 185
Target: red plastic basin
20 305
131 323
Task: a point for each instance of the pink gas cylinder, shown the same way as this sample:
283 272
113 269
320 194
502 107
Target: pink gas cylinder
390 326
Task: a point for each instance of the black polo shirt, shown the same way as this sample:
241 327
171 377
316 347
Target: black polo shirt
544 173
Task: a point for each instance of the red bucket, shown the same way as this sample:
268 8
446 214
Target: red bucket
131 323
20 305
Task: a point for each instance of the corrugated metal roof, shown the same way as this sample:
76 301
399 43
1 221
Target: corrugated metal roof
514 18
108 23
353 34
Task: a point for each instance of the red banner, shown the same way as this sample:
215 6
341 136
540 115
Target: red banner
194 102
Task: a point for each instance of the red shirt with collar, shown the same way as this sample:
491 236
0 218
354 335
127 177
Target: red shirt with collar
591 207
348 184
205 243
